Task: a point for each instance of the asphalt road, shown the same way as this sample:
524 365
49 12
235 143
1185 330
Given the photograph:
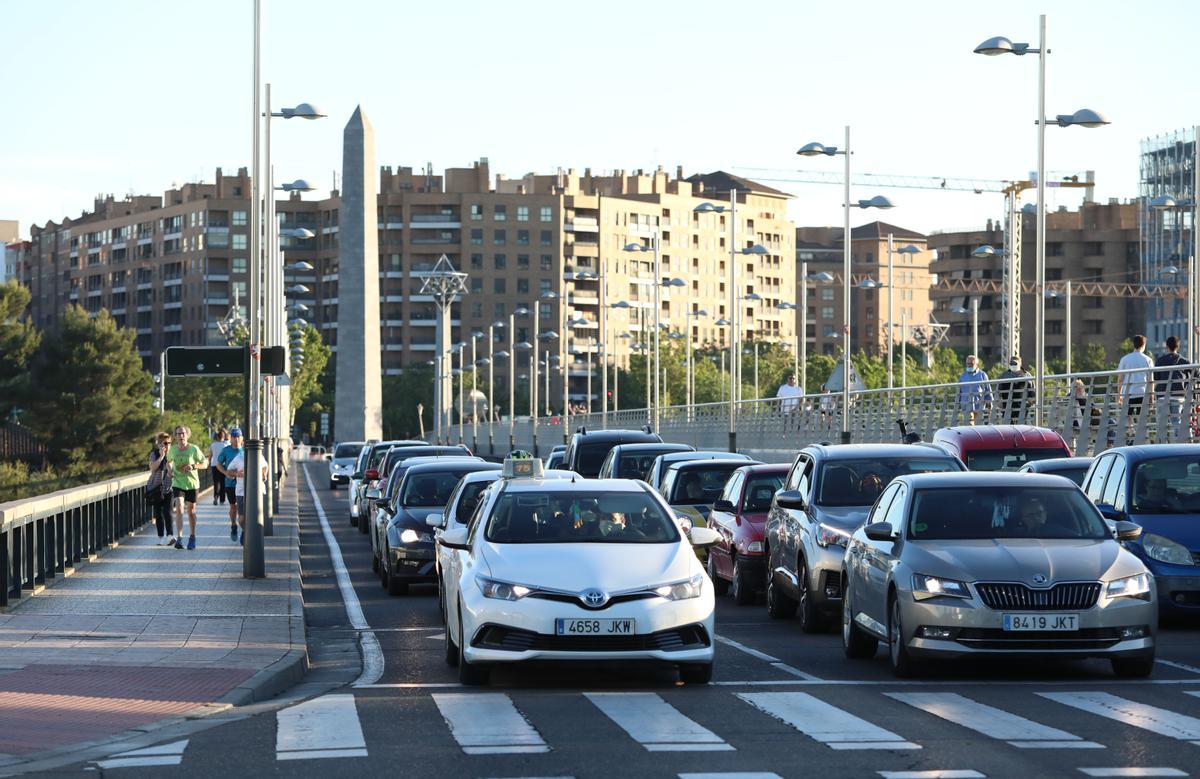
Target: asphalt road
782 704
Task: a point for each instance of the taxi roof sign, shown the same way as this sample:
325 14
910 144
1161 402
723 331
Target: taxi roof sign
522 468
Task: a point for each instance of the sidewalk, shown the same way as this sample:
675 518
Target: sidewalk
144 635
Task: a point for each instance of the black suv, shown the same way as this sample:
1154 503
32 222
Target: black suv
587 449
827 494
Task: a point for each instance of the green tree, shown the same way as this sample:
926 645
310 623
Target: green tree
401 395
92 403
18 343
306 378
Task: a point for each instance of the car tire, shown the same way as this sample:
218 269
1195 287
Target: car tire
811 619
374 561
451 649
470 674
362 523
779 605
333 485
353 521
696 673
903 664
720 586
1133 667
395 585
741 588
856 643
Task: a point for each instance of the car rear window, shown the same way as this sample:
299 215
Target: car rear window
858 482
1008 459
700 486
591 457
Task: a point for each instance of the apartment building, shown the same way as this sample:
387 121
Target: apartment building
173 266
1095 244
820 250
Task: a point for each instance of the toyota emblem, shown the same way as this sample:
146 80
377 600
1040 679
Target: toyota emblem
1039 578
594 598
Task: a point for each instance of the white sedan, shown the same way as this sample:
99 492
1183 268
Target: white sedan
580 570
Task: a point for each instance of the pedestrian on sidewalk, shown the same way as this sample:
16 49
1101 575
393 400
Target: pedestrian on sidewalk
1016 390
974 393
214 451
160 477
187 461
1131 387
1171 387
228 482
237 469
789 393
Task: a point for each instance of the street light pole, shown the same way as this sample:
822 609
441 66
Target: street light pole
1068 288
891 285
803 345
975 329
533 384
253 554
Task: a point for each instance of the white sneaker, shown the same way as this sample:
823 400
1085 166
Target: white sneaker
171 541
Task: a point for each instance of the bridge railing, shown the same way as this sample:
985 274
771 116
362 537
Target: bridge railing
1092 412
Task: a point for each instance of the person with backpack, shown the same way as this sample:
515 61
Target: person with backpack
158 487
1016 390
1172 386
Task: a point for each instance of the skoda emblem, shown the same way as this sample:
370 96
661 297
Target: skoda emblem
594 598
1039 578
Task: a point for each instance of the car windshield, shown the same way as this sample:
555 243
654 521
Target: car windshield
1007 459
702 485
468 499
554 517
591 457
1167 485
981 513
431 489
859 482
346 451
760 490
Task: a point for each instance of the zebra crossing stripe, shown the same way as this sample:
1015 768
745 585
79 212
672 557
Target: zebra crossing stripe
949 774
1102 772
823 722
733 775
1161 721
655 724
160 755
324 727
488 724
992 722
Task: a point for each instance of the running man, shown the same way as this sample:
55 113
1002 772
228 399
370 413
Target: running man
187 461
228 481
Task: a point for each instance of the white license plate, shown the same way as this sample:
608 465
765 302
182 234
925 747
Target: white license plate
595 627
1045 622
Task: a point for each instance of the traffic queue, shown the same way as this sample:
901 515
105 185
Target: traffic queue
987 541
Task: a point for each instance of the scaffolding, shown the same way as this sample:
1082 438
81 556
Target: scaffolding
1168 165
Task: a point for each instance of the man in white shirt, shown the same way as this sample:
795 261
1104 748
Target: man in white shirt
1132 386
237 468
790 393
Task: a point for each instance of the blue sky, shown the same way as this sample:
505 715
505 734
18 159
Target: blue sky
133 95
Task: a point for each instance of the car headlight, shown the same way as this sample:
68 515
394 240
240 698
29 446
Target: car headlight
754 547
682 590
936 587
498 590
1165 550
831 536
410 536
1130 587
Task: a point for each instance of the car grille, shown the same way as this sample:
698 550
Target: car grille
517 640
1073 595
575 600
1088 638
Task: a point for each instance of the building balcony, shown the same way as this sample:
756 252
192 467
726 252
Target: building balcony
417 347
175 282
173 304
433 241
173 236
329 230
390 225
217 230
172 328
392 274
435 221
117 311
217 277
431 322
583 224
216 301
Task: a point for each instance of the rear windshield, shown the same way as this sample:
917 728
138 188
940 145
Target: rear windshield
636 465
701 486
1075 473
1007 459
1167 485
591 457
760 491
981 513
859 482
347 450
431 489
579 517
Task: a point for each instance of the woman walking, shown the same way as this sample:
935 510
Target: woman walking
156 495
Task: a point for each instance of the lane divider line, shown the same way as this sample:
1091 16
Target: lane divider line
774 662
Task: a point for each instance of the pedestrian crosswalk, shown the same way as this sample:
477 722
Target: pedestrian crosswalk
992 722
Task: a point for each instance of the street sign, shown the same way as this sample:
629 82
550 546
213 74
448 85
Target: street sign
220 361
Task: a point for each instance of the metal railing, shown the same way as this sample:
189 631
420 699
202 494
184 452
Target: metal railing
1092 412
45 537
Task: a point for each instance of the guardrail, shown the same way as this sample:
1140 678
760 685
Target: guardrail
45 537
1092 412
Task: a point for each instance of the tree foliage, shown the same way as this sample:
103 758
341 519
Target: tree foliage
19 340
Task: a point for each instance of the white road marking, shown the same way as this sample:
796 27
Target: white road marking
488 724
733 775
775 662
148 757
1132 772
1181 666
368 643
944 683
990 721
409 686
823 722
656 724
1139 715
323 727
947 774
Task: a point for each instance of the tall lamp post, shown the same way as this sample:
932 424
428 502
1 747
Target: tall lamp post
973 310
821 277
879 201
1084 117
691 381
512 372
1064 294
909 250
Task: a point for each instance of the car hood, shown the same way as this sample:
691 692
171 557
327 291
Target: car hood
414 516
1020 559
842 517
1184 528
578 567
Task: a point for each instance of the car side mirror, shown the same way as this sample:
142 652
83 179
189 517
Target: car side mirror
329 457
703 536
1110 512
880 531
383 503
723 505
454 539
357 476
1128 531
791 499
436 520
372 493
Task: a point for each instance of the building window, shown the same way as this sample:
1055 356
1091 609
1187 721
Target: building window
476 262
827 294
546 214
476 310
477 237
500 261
523 286
477 285
522 262
218 241
476 212
522 237
239 218
543 286
544 312
522 213
499 286
827 312
239 243
238 264
546 262
394 262
499 237
500 213
498 311
546 238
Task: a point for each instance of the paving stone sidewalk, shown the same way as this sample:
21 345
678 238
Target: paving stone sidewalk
145 634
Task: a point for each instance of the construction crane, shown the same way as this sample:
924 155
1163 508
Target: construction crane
1086 288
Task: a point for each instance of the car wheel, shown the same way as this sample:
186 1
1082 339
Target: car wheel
856 643
362 523
698 673
779 605
811 620
470 674
374 561
353 521
902 662
742 589
1133 667
720 586
395 585
333 485
451 649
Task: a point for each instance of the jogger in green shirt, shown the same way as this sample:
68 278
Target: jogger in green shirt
188 461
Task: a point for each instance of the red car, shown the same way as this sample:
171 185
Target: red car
1000 447
736 563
